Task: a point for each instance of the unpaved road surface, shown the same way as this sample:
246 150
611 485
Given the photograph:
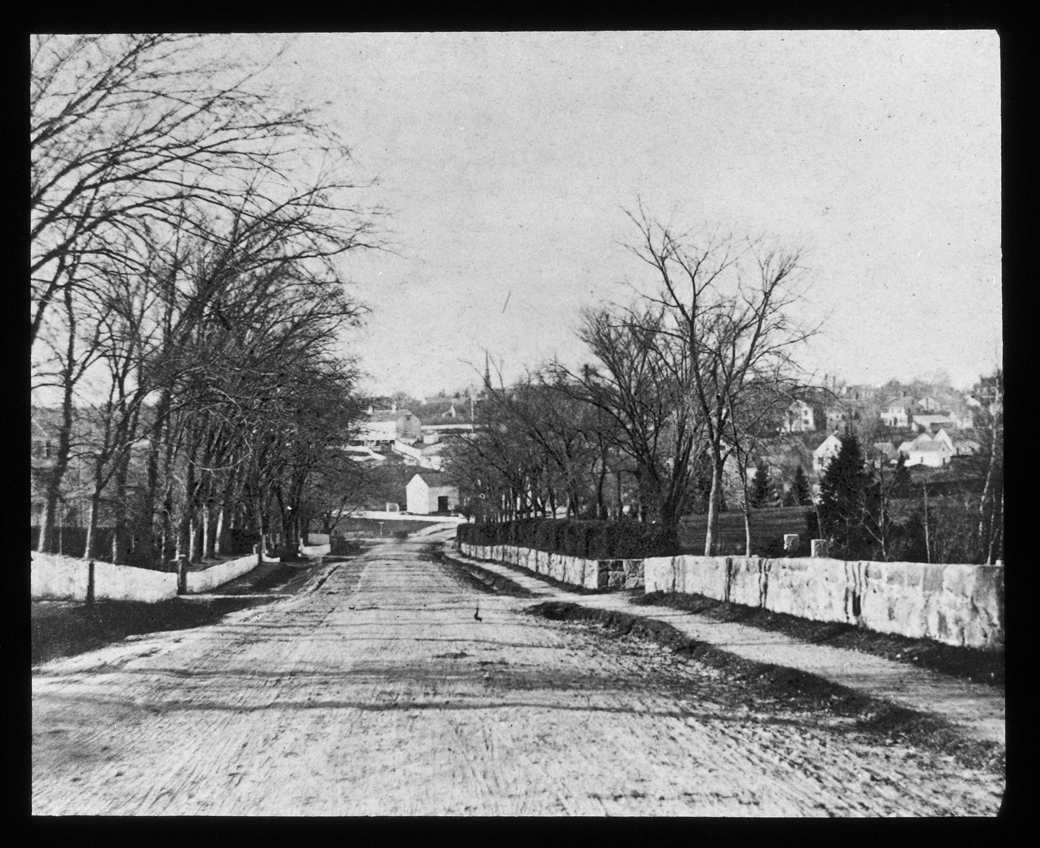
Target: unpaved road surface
377 692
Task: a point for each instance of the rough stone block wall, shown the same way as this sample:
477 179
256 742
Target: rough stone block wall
955 604
575 571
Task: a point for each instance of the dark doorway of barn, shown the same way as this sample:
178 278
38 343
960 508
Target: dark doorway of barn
442 504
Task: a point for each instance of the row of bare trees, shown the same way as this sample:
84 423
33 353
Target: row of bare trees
681 385
186 305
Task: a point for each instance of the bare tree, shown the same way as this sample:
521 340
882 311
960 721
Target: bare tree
640 384
126 129
753 418
726 301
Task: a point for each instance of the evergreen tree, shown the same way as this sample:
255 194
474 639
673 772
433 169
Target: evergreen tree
802 492
843 492
760 487
901 482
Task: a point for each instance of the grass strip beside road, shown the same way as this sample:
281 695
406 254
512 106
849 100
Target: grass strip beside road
976 665
793 689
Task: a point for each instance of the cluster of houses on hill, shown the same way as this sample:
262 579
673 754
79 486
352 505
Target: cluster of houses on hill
930 431
929 426
940 428
417 438
828 409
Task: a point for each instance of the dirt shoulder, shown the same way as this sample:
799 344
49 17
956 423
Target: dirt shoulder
68 628
792 689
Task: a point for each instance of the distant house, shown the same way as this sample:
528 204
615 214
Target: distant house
930 404
861 393
898 412
800 418
827 450
837 416
934 452
886 450
386 426
429 492
443 417
964 445
933 423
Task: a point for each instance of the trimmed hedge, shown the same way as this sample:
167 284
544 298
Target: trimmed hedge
585 539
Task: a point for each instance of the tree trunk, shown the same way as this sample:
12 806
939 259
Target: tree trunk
121 533
997 527
747 529
49 541
184 525
209 530
197 535
988 486
92 524
151 491
601 479
927 534
711 535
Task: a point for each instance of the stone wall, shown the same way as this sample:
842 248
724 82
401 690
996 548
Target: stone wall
55 577
218 575
575 571
955 604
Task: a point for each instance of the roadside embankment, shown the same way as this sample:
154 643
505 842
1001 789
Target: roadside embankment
954 604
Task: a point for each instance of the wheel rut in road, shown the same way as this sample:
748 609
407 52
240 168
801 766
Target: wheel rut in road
407 705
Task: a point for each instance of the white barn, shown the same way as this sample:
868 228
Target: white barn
429 491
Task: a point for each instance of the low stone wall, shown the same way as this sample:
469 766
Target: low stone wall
954 604
317 538
218 575
55 577
575 571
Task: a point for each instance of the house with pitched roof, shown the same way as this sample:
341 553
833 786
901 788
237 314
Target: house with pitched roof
800 418
933 422
898 412
386 426
429 492
886 451
827 450
933 451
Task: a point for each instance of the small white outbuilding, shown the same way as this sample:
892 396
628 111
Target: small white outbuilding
429 491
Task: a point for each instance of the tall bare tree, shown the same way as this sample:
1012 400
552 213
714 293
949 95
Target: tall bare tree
639 382
726 300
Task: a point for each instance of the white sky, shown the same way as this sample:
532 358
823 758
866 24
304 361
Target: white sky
507 159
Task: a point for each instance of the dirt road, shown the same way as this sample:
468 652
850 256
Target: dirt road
378 692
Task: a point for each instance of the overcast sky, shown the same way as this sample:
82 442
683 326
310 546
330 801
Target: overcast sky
507 161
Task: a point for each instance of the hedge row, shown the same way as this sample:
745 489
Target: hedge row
586 539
